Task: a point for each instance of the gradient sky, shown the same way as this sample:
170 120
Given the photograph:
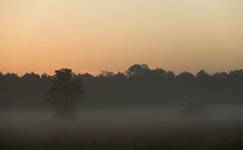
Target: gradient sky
95 35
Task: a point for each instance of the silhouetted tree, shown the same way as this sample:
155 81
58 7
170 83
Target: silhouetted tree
186 76
171 74
158 73
186 85
65 92
120 76
45 77
202 74
31 76
220 76
86 76
137 70
11 76
106 75
139 85
204 84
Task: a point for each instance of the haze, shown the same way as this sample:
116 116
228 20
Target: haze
94 35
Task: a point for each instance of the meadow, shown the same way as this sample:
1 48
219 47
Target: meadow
122 129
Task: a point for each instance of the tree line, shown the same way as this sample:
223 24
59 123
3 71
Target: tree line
139 85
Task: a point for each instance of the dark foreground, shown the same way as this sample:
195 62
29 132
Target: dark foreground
130 129
189 136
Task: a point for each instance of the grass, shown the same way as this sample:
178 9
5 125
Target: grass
185 137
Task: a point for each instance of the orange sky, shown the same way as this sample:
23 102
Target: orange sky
95 35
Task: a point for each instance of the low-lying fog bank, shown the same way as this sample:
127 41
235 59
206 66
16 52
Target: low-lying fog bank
140 128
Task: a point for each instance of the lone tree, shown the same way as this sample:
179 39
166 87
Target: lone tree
66 90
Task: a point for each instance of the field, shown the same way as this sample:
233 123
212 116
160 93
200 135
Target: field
129 129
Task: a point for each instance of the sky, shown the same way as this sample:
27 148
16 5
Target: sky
95 35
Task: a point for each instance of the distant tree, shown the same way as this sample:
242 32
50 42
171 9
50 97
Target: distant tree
1 75
185 82
106 75
11 76
236 74
186 76
158 73
220 76
120 76
137 70
31 76
171 74
205 84
45 77
86 76
65 92
201 75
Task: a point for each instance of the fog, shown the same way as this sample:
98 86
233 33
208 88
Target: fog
141 109
122 128
24 122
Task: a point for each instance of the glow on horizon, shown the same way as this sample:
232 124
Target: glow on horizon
94 35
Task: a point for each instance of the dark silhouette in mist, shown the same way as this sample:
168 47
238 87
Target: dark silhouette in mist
138 70
153 121
196 110
138 86
64 92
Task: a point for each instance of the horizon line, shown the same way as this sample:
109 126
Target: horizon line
116 72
